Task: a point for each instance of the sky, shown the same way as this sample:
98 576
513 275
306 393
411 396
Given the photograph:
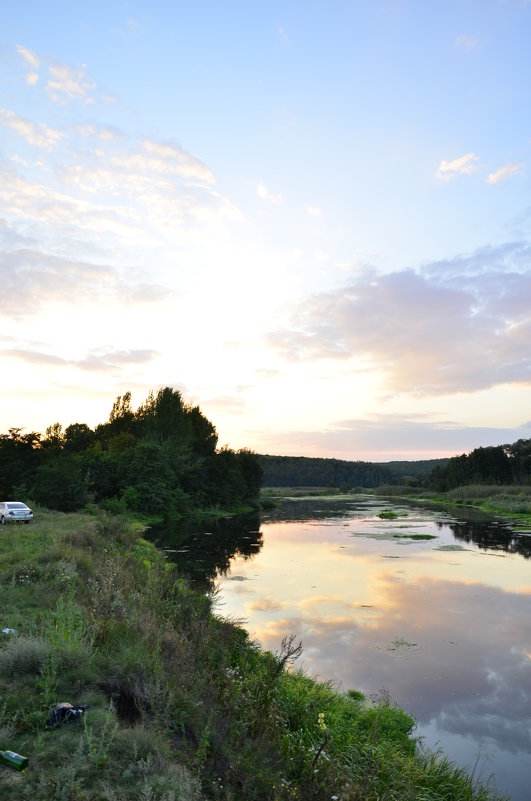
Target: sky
311 218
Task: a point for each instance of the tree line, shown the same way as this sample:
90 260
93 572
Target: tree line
161 458
500 464
305 471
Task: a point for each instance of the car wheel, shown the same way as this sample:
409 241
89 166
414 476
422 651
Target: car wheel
2 520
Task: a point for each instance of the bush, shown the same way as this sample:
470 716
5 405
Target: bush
23 655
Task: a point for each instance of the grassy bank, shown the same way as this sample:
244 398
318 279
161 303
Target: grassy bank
181 706
512 502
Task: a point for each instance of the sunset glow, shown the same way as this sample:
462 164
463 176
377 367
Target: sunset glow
311 219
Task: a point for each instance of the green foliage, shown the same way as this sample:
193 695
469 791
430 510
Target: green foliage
99 735
303 471
59 484
23 655
505 464
159 461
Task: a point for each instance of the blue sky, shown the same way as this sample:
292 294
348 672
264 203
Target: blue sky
312 218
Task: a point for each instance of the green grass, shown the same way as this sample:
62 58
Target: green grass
181 705
512 502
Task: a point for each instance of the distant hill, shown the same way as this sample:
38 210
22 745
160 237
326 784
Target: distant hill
305 471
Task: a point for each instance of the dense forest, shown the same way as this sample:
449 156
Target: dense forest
501 464
161 459
303 471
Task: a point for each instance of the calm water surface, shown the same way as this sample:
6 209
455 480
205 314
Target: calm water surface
442 624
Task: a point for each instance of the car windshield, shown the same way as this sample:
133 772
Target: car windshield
16 506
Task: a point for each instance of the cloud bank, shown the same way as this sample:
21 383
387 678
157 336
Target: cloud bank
458 325
387 437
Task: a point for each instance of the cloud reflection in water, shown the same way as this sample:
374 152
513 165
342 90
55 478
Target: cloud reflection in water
442 631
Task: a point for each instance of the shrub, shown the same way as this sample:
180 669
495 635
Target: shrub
23 655
7 727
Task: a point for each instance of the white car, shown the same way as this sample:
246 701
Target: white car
13 511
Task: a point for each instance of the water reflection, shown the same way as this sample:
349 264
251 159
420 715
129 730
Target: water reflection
443 628
419 642
478 528
493 537
202 554
433 608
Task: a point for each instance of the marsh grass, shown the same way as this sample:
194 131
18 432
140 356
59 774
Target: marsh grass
388 514
502 500
182 706
512 500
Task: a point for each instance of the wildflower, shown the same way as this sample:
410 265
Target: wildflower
321 721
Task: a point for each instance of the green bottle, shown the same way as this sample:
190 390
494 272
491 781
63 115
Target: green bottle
13 760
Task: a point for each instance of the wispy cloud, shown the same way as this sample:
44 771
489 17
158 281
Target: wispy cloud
464 165
174 159
70 83
467 42
40 136
503 173
389 436
31 59
28 56
265 194
43 278
225 404
283 35
142 193
313 211
97 361
104 133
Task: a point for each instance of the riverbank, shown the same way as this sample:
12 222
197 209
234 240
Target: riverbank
510 502
181 705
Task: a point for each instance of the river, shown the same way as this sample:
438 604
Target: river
430 609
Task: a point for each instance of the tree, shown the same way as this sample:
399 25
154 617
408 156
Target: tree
519 454
78 437
54 437
162 455
60 485
251 472
122 416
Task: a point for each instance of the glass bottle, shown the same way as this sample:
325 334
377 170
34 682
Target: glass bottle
13 760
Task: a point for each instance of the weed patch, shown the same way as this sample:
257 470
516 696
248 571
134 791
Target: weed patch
388 514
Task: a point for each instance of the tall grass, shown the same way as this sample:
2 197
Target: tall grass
182 706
